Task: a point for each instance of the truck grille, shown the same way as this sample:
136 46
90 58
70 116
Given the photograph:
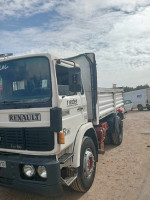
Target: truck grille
32 139
6 181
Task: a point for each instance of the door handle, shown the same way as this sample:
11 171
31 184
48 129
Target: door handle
80 108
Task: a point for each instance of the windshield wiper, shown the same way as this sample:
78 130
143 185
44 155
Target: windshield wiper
9 102
15 103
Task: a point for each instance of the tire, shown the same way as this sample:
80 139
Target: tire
107 138
121 115
87 169
140 107
110 130
148 108
117 134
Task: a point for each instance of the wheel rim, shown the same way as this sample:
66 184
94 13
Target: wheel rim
88 163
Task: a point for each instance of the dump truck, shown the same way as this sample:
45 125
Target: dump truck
54 121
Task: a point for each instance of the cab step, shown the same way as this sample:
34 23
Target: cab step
69 180
65 157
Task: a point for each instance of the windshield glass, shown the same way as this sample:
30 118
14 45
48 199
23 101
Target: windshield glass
25 80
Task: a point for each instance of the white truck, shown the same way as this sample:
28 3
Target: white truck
139 98
54 122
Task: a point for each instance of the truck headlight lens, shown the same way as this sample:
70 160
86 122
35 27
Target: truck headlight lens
42 171
29 170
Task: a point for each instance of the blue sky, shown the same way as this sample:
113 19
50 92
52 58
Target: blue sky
117 31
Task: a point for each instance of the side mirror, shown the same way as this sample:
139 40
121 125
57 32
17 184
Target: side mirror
56 119
75 83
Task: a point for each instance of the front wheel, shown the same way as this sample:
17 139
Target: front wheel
87 169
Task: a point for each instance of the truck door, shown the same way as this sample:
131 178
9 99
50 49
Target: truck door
71 104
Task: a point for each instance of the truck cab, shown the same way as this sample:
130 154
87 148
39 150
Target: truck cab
42 108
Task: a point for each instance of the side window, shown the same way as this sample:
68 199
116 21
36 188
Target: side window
62 74
127 102
18 85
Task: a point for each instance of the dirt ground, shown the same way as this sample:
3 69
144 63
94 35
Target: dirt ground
123 172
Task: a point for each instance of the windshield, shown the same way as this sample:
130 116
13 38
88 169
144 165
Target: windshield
25 81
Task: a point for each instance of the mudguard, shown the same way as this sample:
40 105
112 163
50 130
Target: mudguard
78 143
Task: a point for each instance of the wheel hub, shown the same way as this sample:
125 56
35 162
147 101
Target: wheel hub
88 163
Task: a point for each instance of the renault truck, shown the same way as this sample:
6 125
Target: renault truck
54 121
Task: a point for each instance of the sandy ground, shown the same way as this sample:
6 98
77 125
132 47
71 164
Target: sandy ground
123 172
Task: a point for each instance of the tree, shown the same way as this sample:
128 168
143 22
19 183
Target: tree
139 87
142 87
128 89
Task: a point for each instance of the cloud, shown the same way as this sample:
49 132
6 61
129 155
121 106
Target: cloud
69 8
19 8
117 31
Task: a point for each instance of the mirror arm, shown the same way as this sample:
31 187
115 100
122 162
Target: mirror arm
59 62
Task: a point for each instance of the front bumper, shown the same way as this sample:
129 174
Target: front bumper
12 177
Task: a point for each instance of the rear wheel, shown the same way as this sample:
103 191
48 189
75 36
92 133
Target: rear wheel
117 134
148 108
110 130
140 107
107 138
87 169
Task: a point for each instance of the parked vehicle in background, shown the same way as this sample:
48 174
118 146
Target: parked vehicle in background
54 121
139 98
128 105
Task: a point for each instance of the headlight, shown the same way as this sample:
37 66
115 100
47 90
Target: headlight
29 170
42 171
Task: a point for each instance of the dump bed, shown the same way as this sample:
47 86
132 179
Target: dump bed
109 100
100 101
